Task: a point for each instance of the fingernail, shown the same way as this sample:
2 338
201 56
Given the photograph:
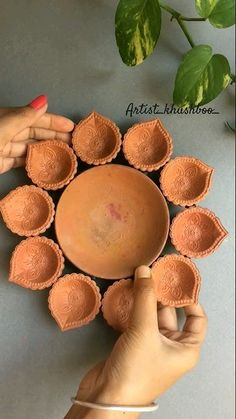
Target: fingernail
39 102
142 272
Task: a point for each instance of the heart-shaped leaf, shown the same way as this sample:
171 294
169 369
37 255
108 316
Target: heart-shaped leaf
221 13
138 25
201 76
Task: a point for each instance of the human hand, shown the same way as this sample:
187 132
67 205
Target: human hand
24 125
150 356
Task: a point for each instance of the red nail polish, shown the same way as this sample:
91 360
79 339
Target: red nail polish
39 102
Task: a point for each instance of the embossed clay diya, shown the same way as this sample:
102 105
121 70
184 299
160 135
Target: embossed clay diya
74 301
120 221
50 164
186 180
27 210
36 263
197 232
96 139
177 281
147 146
110 219
117 304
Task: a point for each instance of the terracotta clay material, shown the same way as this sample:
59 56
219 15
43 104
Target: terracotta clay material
36 263
117 304
27 210
74 301
186 180
177 281
111 219
50 164
96 139
197 232
147 146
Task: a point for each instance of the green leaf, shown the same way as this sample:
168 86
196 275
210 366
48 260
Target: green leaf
221 13
138 25
201 76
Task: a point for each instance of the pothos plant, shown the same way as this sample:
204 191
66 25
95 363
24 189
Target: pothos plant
202 75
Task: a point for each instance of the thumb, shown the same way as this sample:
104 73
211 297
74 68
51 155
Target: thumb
144 313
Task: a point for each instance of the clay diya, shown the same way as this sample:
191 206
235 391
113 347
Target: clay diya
50 164
120 220
36 263
177 281
117 304
147 146
96 139
197 232
186 180
27 210
74 301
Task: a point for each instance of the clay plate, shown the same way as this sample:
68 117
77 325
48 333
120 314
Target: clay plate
147 146
177 281
50 164
74 301
186 180
96 139
36 263
117 304
197 232
110 219
27 210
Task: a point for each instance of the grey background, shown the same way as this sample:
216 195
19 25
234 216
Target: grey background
66 49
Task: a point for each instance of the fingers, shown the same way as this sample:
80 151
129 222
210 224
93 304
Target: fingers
54 122
16 149
167 318
41 134
7 163
144 313
196 323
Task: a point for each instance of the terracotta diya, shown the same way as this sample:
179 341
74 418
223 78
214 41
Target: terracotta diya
197 232
74 301
117 304
27 210
186 180
96 139
36 263
147 146
110 219
50 164
177 280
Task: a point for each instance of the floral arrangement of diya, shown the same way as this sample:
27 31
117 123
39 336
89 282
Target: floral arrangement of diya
109 219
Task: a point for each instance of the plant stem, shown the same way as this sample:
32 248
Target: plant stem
193 19
233 78
176 15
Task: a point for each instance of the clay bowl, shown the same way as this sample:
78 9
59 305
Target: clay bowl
117 304
36 263
197 232
74 301
147 146
50 164
186 180
177 281
111 219
27 210
96 139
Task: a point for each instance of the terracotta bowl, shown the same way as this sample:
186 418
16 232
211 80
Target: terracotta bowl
117 304
96 139
50 164
74 301
36 263
27 210
147 146
111 219
186 180
177 281
197 232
